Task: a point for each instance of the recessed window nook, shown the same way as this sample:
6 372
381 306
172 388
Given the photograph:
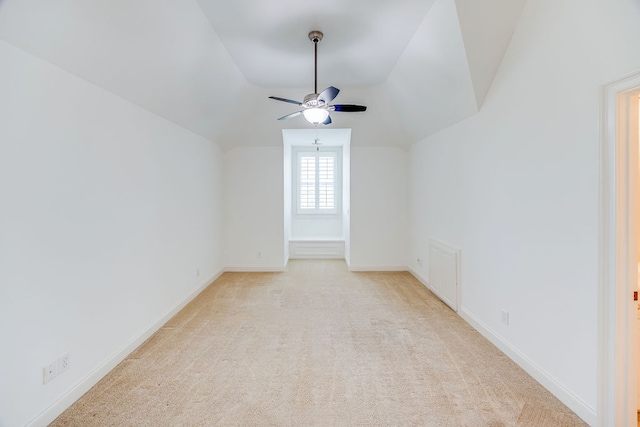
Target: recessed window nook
316 189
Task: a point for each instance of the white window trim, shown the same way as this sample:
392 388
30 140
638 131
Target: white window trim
335 152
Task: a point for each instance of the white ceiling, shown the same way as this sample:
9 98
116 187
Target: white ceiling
209 65
363 38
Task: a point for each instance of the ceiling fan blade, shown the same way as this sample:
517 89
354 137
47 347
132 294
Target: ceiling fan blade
327 121
348 108
290 101
328 94
288 116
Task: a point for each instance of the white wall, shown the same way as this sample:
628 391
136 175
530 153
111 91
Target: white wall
287 189
107 213
254 224
317 228
346 200
254 209
516 188
379 203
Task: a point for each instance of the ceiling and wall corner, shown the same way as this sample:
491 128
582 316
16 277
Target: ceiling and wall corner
209 66
431 83
362 39
486 29
163 56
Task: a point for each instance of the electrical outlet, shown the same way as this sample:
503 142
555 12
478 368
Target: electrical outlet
49 372
259 254
197 272
419 260
63 363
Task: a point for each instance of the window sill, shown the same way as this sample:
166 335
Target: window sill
317 216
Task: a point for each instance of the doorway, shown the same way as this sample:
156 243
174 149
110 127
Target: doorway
617 311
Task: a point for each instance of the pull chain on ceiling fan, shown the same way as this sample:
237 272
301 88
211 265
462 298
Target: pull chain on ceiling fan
316 106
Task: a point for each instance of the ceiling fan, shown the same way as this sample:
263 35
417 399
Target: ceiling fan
316 106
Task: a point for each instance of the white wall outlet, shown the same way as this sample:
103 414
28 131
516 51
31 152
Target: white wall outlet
197 272
259 254
49 372
419 260
63 363
505 316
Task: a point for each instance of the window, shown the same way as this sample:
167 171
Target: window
317 176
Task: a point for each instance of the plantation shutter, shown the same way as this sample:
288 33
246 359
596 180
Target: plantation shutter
317 182
307 182
326 182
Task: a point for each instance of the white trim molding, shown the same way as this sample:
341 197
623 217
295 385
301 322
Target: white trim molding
374 268
316 249
255 269
420 278
618 230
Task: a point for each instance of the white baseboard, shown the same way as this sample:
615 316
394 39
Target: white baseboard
84 384
421 279
373 268
573 402
255 269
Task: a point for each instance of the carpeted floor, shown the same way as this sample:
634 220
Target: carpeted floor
317 345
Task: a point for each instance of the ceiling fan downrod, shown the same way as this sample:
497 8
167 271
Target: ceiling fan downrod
315 36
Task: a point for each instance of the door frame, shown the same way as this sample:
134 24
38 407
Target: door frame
618 242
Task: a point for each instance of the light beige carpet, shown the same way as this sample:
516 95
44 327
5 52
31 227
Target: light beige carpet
317 346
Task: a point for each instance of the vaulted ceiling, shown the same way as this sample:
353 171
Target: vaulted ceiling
210 65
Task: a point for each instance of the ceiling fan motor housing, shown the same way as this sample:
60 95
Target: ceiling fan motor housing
311 101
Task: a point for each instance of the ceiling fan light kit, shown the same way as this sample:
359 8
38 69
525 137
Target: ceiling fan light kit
316 106
315 115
